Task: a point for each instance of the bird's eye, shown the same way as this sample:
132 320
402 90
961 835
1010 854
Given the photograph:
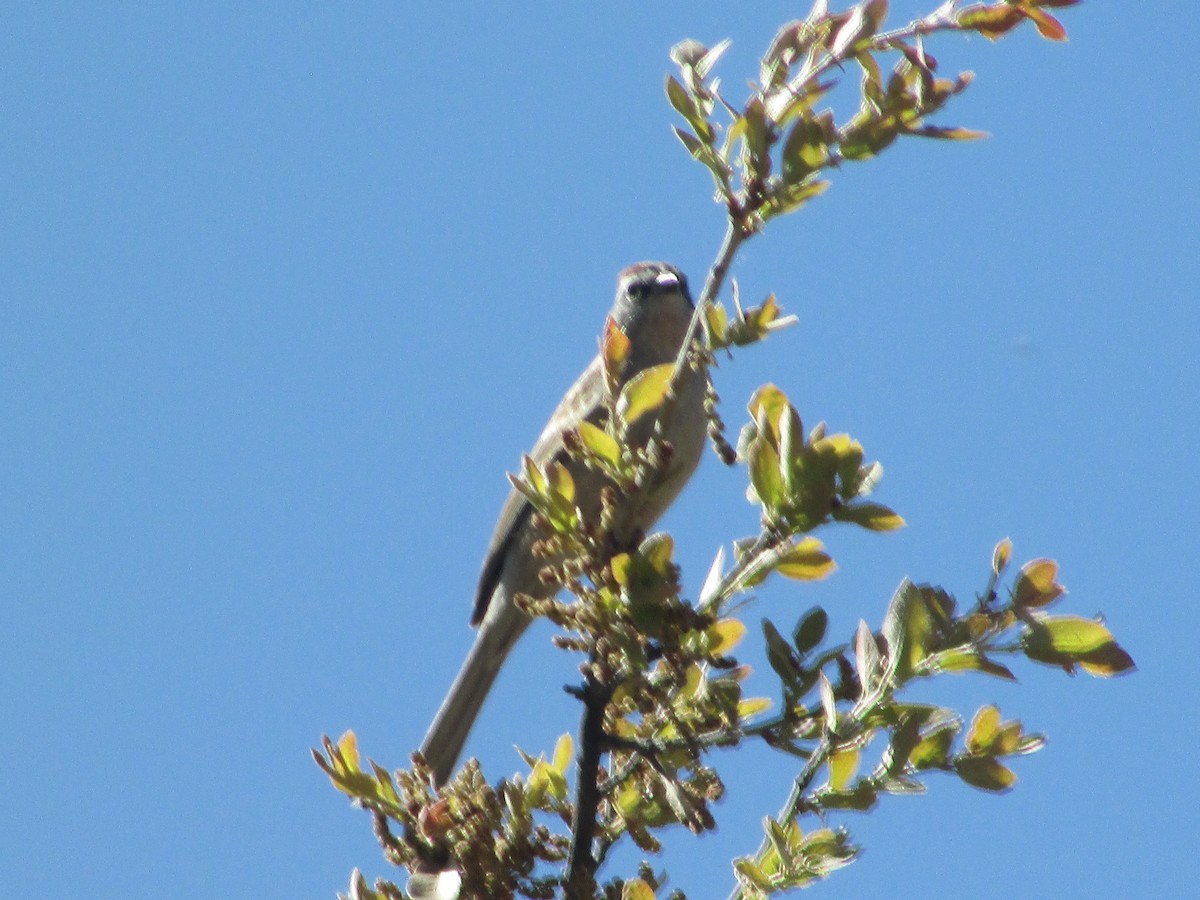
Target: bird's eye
637 290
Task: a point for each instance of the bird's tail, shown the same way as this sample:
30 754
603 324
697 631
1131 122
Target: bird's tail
447 735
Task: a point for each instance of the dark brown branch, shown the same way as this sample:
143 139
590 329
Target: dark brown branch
581 868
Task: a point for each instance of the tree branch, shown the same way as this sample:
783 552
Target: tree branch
581 866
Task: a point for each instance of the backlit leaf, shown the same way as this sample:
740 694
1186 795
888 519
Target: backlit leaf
726 635
636 890
644 392
842 767
1001 555
985 773
872 516
599 442
805 561
1037 585
985 727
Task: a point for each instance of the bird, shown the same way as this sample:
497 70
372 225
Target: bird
653 309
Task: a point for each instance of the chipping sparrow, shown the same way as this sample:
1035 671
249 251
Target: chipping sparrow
653 310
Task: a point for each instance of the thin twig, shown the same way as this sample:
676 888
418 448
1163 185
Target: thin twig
799 787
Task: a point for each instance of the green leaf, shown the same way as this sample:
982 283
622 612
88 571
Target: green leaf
779 654
599 442
867 658
1111 659
752 706
908 631
559 483
906 735
985 773
933 750
769 404
1068 641
685 104
863 797
793 196
872 516
691 142
657 549
1070 635
563 751
1037 584
810 630
805 151
753 874
968 659
843 765
763 461
949 134
1047 26
993 22
726 635
1001 556
866 137
985 728
864 21
636 890
828 702
614 348
716 320
805 561
758 136
644 392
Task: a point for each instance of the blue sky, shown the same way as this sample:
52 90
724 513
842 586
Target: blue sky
287 288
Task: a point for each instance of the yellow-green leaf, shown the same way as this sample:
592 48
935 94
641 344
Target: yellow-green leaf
967 659
843 766
717 322
563 751
753 874
752 706
1037 585
620 566
984 729
600 443
532 475
1008 739
1001 555
985 773
773 402
950 134
806 561
1108 660
993 22
726 635
1075 635
657 550
765 475
637 890
347 746
933 749
644 392
1068 641
614 347
561 483
680 98
872 516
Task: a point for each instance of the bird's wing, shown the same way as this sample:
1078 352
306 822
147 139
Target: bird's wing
581 401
